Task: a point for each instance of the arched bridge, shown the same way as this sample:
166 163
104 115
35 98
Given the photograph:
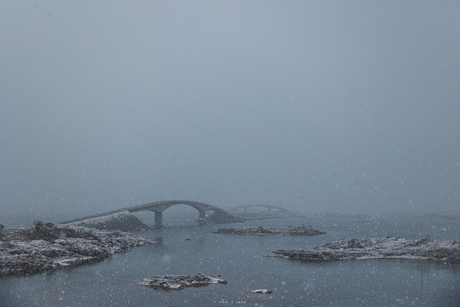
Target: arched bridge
219 216
272 211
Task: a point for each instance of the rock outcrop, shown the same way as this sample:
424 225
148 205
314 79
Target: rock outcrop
124 221
378 248
178 282
269 231
45 247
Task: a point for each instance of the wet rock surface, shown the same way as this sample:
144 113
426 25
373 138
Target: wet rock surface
269 231
45 247
178 282
378 248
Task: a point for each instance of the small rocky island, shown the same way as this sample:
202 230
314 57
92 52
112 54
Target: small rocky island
271 231
178 282
378 248
45 247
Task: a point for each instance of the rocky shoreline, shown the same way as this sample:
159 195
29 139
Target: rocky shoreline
45 247
378 248
271 231
179 282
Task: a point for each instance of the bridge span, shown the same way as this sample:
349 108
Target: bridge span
218 216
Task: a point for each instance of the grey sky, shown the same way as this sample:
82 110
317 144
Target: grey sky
315 105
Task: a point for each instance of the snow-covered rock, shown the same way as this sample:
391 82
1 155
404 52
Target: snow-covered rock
378 248
32 250
178 282
124 221
261 291
271 231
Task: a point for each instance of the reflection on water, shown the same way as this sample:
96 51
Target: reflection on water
190 249
159 241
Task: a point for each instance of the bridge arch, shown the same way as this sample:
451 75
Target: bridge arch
218 216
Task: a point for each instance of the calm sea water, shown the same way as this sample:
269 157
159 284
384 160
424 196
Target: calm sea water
239 259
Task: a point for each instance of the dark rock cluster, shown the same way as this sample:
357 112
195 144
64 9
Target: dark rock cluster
270 231
45 247
178 282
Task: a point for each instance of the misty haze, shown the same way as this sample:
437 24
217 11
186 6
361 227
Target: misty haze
341 116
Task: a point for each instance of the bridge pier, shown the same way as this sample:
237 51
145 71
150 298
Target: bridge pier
201 217
158 219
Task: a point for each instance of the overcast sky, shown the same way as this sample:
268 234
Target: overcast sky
348 106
